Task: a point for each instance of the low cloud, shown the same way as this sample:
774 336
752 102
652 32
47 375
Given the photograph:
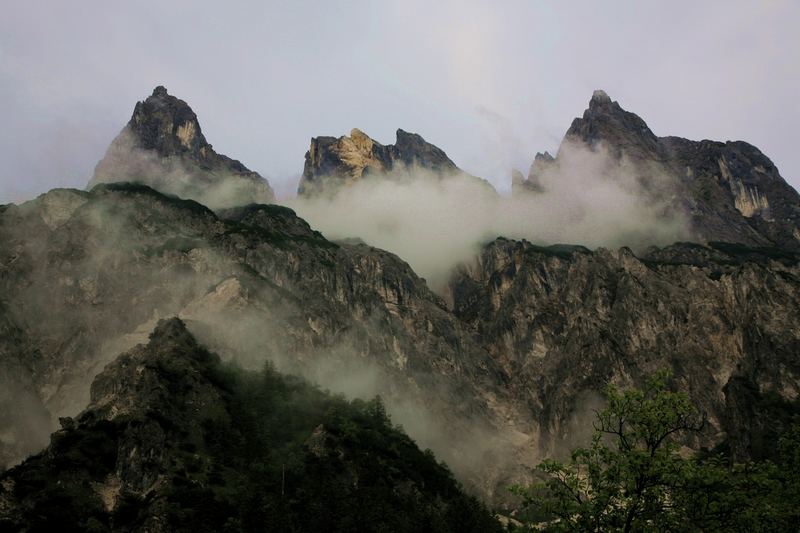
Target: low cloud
435 223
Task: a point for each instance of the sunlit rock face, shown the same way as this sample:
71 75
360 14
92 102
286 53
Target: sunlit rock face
729 191
162 146
332 164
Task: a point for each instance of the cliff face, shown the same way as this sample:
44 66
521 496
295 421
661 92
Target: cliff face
163 146
173 440
332 163
504 373
561 321
87 275
728 191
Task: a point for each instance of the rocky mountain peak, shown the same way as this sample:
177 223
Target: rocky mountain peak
413 150
605 121
163 146
168 125
361 139
600 97
332 163
726 191
541 163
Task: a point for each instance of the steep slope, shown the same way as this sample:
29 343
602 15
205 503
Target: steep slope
728 191
332 163
163 146
173 440
562 321
87 275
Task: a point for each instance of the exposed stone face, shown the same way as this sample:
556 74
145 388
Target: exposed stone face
561 321
332 163
255 283
541 162
506 374
729 191
163 146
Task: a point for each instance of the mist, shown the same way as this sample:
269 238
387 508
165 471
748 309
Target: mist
435 223
217 189
230 321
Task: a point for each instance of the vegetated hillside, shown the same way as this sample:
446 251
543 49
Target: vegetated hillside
175 440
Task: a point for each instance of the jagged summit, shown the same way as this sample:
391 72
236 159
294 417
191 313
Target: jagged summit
533 182
606 121
164 147
332 163
599 96
726 191
167 124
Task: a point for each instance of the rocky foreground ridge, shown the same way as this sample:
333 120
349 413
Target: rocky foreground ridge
499 371
174 440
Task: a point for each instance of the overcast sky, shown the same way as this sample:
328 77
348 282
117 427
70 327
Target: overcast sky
491 83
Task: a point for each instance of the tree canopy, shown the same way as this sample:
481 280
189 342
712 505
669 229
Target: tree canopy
635 476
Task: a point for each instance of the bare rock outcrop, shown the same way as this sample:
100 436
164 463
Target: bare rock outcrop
728 191
162 146
334 163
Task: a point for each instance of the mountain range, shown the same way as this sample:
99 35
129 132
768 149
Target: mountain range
498 368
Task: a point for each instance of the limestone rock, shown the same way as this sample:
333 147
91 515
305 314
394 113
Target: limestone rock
254 283
163 146
563 320
331 163
729 191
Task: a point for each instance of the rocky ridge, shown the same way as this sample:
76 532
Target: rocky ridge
333 163
728 191
563 320
255 283
173 440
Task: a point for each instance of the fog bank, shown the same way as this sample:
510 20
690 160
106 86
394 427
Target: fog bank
435 223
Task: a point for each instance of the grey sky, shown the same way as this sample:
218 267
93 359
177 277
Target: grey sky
489 82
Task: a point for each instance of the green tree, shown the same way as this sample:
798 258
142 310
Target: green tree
633 478
626 478
716 495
